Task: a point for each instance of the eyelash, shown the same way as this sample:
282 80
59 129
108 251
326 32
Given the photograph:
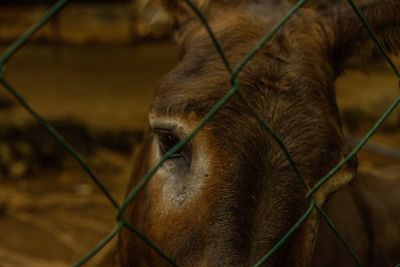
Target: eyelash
167 140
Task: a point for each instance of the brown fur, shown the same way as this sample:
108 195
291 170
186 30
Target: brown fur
251 196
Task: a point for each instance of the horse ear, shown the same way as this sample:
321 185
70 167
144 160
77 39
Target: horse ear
178 8
352 44
167 14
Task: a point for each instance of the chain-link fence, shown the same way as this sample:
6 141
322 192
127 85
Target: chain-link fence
234 90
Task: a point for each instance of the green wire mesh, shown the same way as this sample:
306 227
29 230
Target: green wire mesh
235 89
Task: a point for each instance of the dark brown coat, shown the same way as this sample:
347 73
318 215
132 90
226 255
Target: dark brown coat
227 197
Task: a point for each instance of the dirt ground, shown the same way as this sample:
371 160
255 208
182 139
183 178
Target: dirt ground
51 213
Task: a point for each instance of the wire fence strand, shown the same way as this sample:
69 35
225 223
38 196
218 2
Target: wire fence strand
264 124
234 90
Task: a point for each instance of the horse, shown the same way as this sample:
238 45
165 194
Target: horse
229 195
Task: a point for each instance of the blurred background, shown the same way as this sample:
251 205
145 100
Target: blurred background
91 72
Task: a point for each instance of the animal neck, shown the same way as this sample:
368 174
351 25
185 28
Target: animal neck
304 243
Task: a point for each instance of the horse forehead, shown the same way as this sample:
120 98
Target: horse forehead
193 84
202 71
201 77
196 86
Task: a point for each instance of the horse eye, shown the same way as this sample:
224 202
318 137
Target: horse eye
167 140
